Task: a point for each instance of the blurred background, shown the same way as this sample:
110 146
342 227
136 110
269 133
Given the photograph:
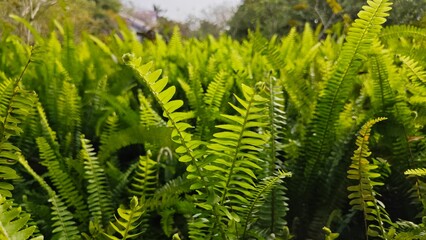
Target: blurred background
195 18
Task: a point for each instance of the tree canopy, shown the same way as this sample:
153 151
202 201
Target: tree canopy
279 16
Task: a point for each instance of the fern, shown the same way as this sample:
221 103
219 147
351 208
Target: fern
215 91
122 179
15 105
128 220
188 147
168 194
416 72
139 134
61 178
236 150
175 45
397 31
110 127
99 199
145 179
64 226
383 98
70 119
148 117
13 222
272 213
416 172
46 131
331 101
208 111
262 190
363 196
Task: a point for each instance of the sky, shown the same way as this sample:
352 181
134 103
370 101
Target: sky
180 10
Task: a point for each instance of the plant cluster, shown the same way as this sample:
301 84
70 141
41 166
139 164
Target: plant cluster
291 138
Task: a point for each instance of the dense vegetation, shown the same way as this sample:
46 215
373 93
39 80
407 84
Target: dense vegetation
277 138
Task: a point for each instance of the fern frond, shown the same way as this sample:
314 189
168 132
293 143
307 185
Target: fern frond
383 97
148 117
46 130
18 105
6 93
199 226
167 194
258 199
416 172
110 127
336 91
236 149
288 43
189 148
189 93
13 223
209 110
321 134
158 136
64 225
276 124
15 105
122 179
272 213
363 196
99 199
216 90
145 180
61 178
128 220
397 31
175 47
69 118
193 89
415 72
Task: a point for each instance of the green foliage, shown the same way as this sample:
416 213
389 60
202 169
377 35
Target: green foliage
416 172
362 195
128 219
145 179
203 148
64 225
13 222
319 141
99 199
258 199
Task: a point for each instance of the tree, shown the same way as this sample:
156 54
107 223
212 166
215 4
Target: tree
272 16
278 16
94 16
